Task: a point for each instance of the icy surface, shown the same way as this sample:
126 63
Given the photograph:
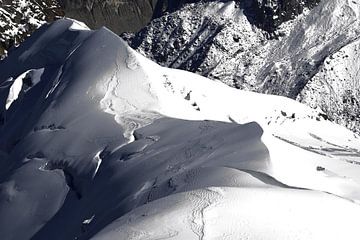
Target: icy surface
107 144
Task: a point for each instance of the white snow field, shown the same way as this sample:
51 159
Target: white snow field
97 142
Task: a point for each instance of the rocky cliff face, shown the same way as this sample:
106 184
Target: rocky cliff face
336 86
118 15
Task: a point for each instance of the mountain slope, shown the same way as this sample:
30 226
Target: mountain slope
221 41
131 16
99 142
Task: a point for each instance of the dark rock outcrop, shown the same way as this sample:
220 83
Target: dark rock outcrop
269 14
118 15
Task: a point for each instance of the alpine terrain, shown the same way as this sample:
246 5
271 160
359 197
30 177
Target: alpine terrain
220 120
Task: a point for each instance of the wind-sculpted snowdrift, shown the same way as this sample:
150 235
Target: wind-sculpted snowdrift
97 142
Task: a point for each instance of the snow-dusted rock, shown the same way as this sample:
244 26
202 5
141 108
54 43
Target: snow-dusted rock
19 18
336 87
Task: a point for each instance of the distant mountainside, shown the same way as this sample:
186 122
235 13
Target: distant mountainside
117 15
267 48
20 18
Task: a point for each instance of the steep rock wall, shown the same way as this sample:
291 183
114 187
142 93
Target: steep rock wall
118 15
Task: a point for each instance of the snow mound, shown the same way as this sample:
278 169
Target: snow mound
102 133
215 213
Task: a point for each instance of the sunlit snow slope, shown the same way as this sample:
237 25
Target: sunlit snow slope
97 142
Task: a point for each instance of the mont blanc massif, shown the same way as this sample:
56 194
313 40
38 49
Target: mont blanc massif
179 120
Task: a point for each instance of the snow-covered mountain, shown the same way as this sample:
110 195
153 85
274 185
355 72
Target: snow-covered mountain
19 18
265 46
98 142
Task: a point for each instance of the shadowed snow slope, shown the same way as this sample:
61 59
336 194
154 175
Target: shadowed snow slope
98 142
